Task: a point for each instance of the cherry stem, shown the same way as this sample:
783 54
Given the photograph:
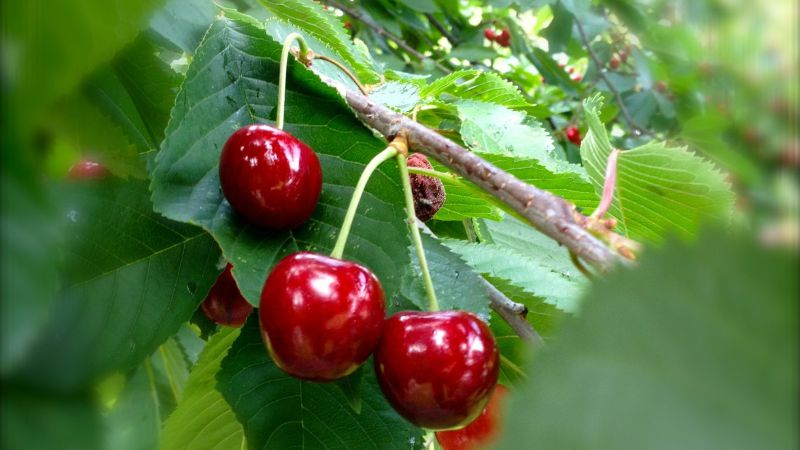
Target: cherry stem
433 304
389 153
344 69
608 186
435 174
287 46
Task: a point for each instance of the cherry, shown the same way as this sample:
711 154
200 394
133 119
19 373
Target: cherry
577 77
224 303
615 62
321 317
504 38
87 170
661 87
573 135
489 34
270 177
480 432
437 369
570 69
428 191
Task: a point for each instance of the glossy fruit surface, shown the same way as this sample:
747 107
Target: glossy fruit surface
87 170
270 177
489 34
437 369
224 303
429 194
321 317
482 431
504 38
573 135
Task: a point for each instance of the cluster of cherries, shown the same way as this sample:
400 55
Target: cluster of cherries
503 38
321 317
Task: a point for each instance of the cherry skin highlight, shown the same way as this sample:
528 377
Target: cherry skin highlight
87 170
573 135
482 431
270 177
437 369
321 317
224 303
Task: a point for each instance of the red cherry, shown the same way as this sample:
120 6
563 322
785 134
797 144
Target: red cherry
661 86
480 432
321 317
437 369
87 170
573 135
489 34
224 303
570 69
615 62
577 77
504 38
270 177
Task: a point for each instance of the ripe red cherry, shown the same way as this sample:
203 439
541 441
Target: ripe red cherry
615 62
437 369
573 135
224 303
489 34
661 86
480 432
87 170
321 317
504 38
270 177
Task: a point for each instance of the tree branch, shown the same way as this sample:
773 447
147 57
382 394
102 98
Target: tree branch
548 213
625 114
438 25
357 15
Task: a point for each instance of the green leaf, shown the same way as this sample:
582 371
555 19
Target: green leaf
696 348
69 40
280 412
527 259
231 83
402 96
203 419
35 420
705 133
181 24
457 285
134 421
464 200
487 87
325 27
130 278
659 189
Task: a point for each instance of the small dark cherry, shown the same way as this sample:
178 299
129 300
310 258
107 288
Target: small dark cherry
87 170
437 369
482 431
270 177
224 303
321 317
573 135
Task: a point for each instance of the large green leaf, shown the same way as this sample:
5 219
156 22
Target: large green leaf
659 189
476 85
203 420
69 40
323 25
280 412
696 348
130 279
527 259
134 421
180 24
231 83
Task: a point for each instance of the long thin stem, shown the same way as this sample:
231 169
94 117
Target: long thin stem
287 46
433 304
434 174
344 69
389 153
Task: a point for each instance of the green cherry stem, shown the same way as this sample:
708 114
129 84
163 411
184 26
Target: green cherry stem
347 223
433 304
287 46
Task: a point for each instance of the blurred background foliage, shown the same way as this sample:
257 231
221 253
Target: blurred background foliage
97 80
